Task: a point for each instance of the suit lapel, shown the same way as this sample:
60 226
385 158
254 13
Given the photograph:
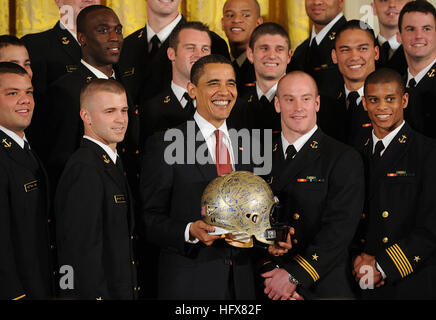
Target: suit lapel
392 155
304 158
67 42
15 151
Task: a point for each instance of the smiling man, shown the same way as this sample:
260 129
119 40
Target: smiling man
56 52
173 106
270 52
417 33
400 234
240 18
355 53
313 55
26 262
391 51
320 185
194 264
101 38
93 204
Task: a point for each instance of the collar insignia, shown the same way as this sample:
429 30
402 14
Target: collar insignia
65 40
105 159
314 145
6 143
402 139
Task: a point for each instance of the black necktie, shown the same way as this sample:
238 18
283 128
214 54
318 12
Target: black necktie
30 154
189 107
412 83
155 46
313 56
119 165
264 101
352 100
379 147
384 52
290 153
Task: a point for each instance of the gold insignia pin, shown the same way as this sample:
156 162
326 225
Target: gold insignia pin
250 99
140 34
417 259
271 179
332 36
402 139
6 143
167 99
339 95
314 145
105 159
315 257
367 142
88 79
65 40
431 73
276 147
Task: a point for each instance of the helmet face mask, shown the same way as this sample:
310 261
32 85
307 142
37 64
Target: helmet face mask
244 205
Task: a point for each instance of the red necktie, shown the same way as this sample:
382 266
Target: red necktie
222 156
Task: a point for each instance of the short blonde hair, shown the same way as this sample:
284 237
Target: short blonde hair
99 85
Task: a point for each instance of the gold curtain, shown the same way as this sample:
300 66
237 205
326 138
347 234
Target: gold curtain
38 15
4 17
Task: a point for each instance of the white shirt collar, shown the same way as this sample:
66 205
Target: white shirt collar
208 132
74 35
393 42
361 93
179 92
269 95
298 145
113 155
321 35
386 140
14 136
420 75
96 72
165 32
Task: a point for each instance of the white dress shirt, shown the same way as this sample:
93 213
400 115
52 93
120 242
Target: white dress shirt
269 95
165 32
300 142
112 154
208 132
420 75
20 141
321 35
96 72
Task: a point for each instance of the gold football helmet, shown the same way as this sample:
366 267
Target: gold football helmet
244 206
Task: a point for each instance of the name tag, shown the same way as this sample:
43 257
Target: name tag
71 68
31 186
120 198
128 73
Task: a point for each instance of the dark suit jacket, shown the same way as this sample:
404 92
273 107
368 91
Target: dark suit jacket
322 193
171 198
53 53
397 61
401 216
245 76
162 112
350 126
325 72
420 113
151 75
26 260
95 223
262 115
64 119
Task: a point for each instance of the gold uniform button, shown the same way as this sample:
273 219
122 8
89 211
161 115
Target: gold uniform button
363 216
296 216
295 241
137 152
49 220
133 261
385 214
385 240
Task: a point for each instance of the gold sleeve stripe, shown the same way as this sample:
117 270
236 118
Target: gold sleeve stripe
404 259
306 266
400 260
20 297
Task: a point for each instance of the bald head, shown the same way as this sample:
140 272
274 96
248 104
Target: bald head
297 77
